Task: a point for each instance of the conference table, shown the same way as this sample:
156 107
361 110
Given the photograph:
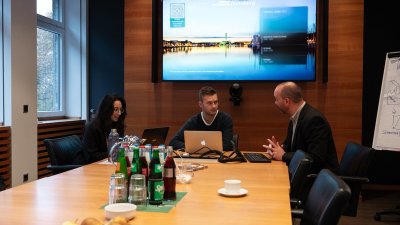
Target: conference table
80 193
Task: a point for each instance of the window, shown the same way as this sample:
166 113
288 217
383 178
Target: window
61 58
48 70
1 67
49 9
50 60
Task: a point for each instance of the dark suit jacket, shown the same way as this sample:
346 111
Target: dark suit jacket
314 136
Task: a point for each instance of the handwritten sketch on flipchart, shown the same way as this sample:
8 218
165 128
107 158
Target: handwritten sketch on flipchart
387 128
392 98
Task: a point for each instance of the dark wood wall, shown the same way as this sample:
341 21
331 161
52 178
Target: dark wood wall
159 104
5 155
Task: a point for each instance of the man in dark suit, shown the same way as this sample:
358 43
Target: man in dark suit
308 130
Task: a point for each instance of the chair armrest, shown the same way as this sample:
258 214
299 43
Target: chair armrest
61 168
297 213
295 202
345 178
355 179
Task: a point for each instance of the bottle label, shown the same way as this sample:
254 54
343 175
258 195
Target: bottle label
134 168
158 190
169 172
157 168
144 171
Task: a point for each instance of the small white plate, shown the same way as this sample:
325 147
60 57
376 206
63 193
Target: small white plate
241 192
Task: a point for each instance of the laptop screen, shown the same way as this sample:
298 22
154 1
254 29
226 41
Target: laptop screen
197 142
155 136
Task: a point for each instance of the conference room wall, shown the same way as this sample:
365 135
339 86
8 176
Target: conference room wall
164 103
19 36
105 50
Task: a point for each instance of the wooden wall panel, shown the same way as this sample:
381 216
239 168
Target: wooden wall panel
5 155
158 104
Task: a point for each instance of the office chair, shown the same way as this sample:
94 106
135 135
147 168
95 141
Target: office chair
299 167
353 170
65 153
325 202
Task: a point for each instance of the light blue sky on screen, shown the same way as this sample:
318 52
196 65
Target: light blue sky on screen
215 18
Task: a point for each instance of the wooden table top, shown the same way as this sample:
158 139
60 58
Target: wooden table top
80 193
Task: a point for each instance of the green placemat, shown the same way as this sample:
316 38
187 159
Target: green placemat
163 208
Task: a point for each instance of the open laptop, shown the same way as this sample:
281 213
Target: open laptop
155 136
197 142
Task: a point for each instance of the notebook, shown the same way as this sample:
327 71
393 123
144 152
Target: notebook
155 136
202 141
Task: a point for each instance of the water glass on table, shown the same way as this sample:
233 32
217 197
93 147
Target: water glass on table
137 190
117 190
184 173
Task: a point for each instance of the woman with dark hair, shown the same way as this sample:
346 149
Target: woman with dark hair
110 114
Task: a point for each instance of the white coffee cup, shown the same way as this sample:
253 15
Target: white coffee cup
232 186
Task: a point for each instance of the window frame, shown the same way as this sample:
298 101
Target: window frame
1 66
57 27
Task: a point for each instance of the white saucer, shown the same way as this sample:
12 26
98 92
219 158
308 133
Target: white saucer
241 192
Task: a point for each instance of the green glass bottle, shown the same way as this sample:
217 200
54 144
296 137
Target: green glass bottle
135 165
156 183
121 163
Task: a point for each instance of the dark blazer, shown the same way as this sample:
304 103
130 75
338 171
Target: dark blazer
94 143
313 135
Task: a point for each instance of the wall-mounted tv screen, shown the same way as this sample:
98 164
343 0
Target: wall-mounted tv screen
236 40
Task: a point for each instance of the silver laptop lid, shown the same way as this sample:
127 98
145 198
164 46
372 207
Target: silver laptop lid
202 141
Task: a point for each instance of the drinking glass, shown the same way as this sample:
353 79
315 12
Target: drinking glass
184 173
137 190
117 190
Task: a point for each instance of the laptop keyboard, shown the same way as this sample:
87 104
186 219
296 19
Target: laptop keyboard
256 157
